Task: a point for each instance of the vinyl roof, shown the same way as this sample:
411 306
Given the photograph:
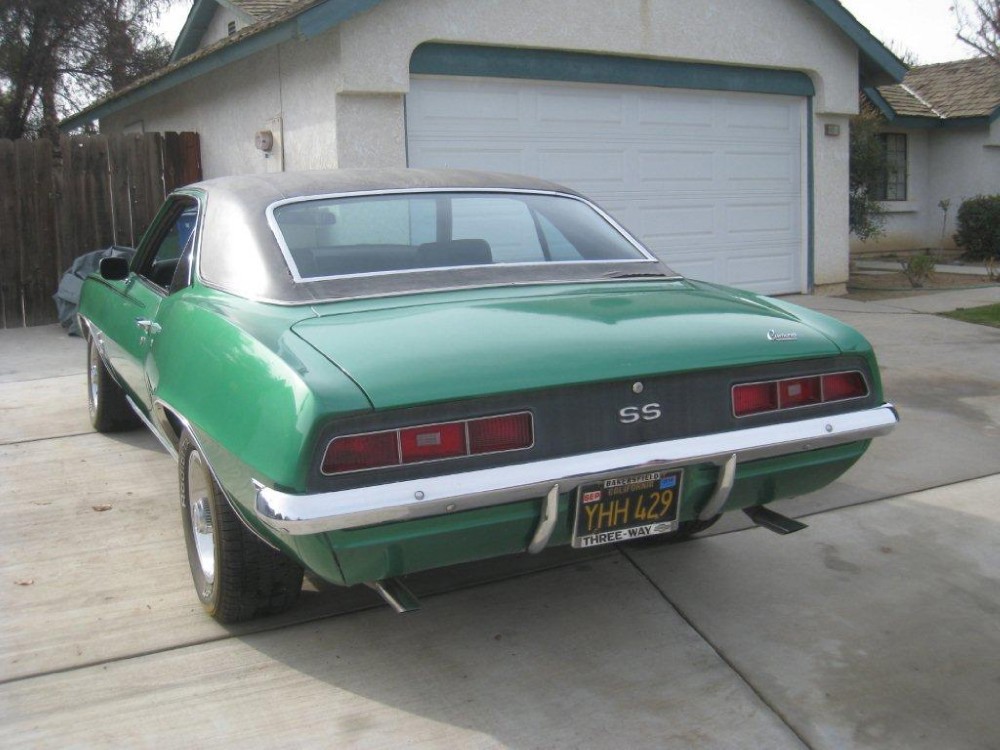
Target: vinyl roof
239 253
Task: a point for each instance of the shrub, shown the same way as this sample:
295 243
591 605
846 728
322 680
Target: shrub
918 268
979 229
867 163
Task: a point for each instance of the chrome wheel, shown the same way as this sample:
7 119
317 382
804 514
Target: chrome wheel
237 576
106 400
93 394
199 484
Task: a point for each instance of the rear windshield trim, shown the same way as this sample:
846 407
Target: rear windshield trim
299 279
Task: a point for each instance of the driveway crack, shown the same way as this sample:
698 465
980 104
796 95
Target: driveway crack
718 652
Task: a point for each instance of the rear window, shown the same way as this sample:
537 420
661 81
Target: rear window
332 237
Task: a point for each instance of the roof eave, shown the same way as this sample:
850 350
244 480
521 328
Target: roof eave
912 122
878 65
880 103
306 23
194 28
917 122
221 57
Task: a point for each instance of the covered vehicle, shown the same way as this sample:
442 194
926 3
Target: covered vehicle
371 373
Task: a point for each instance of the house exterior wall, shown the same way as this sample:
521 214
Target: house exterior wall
962 165
341 95
831 211
228 107
943 164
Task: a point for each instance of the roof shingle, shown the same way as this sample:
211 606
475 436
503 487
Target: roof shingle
261 9
965 88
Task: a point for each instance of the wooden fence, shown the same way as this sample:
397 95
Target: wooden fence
61 200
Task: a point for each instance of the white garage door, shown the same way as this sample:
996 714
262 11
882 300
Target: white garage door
712 182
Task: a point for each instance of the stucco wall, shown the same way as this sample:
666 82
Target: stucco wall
961 166
943 164
229 106
341 95
830 167
784 34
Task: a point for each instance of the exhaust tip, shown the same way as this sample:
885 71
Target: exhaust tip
396 595
773 521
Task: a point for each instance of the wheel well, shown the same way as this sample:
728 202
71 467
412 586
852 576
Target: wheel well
170 424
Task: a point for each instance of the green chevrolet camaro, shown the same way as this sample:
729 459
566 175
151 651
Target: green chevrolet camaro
371 373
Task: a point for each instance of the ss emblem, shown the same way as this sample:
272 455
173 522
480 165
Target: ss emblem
646 413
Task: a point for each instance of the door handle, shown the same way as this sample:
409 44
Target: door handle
147 326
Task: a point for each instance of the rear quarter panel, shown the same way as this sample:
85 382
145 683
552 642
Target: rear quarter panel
252 390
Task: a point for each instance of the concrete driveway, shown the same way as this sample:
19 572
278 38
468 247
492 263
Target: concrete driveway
876 627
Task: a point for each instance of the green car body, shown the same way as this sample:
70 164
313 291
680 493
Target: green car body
263 381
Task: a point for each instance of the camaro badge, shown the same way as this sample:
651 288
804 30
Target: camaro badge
773 335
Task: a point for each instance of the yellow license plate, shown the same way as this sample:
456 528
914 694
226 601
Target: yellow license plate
624 508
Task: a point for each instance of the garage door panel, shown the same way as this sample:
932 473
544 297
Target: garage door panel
771 171
755 113
571 112
675 169
776 219
448 156
674 226
440 109
682 111
712 181
591 169
766 268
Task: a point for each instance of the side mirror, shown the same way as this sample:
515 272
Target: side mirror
114 269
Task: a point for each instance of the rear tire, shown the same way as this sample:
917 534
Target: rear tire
109 410
237 576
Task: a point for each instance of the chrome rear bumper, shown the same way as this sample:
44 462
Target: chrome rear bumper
441 495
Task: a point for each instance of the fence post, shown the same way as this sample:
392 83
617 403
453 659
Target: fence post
10 275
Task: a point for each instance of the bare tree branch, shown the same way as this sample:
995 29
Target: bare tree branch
979 26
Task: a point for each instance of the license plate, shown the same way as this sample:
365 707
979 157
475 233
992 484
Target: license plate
625 508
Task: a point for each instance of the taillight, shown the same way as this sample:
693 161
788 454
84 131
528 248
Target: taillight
361 452
432 442
842 385
789 393
754 397
495 434
798 392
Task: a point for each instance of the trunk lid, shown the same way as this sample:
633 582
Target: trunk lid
455 345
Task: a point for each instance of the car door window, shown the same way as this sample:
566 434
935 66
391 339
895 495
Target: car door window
167 263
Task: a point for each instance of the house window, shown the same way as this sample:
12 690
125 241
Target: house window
892 185
231 28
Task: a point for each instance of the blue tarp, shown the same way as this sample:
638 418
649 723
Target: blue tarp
67 297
